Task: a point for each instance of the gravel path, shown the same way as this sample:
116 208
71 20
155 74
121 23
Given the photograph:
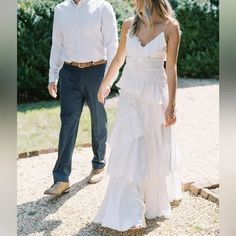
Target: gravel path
197 129
72 213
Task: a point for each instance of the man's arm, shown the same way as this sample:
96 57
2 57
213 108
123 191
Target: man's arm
110 34
56 60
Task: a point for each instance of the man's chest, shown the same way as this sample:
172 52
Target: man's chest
84 18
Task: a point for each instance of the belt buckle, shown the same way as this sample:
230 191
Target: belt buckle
82 65
74 64
77 64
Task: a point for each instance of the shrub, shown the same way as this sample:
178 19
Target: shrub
199 49
34 43
34 32
198 55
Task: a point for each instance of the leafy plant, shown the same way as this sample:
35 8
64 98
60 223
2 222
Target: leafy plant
199 49
34 32
198 55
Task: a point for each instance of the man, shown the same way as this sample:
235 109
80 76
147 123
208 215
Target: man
84 42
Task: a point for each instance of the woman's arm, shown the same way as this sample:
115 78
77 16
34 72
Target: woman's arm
173 41
116 63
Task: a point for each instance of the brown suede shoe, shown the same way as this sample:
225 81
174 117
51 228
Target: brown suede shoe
58 188
96 176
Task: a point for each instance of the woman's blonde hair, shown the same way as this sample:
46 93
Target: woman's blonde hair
145 8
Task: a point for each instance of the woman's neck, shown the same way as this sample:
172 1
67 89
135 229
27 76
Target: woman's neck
76 1
156 18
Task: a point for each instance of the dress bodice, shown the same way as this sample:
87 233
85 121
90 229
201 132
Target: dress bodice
144 73
150 56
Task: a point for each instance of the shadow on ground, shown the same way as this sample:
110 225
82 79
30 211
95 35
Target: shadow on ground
49 104
24 107
190 82
31 215
97 230
182 83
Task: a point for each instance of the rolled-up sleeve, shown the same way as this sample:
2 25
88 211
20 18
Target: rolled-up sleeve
109 32
56 60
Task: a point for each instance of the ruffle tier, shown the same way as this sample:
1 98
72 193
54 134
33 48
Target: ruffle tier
149 86
128 203
140 142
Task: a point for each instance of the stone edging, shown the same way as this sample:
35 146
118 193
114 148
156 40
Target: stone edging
43 151
202 190
36 153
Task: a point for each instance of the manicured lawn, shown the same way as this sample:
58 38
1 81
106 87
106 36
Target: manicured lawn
38 125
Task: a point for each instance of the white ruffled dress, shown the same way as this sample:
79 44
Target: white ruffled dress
144 158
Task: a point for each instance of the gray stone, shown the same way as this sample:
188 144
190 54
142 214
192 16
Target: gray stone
47 150
205 193
186 186
33 153
213 197
195 188
23 155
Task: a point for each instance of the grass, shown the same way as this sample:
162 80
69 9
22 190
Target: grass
38 125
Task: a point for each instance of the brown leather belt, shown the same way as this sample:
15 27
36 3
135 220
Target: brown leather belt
86 64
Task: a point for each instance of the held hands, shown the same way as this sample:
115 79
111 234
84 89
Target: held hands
170 116
52 89
103 91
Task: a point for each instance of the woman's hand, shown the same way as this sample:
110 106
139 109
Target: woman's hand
116 63
170 117
103 91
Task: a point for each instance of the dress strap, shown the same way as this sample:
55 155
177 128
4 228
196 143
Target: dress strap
131 23
165 26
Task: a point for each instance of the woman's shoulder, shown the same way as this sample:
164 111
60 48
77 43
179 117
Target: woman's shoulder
172 26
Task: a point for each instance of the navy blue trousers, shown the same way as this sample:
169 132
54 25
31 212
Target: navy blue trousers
79 86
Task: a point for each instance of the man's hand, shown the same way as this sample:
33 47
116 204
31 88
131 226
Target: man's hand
52 89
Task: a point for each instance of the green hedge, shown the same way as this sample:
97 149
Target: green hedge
34 43
199 48
198 56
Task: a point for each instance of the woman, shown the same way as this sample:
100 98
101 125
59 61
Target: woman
143 160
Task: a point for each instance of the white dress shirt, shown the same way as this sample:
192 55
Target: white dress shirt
82 33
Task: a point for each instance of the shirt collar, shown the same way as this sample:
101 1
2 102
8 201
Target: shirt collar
81 1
